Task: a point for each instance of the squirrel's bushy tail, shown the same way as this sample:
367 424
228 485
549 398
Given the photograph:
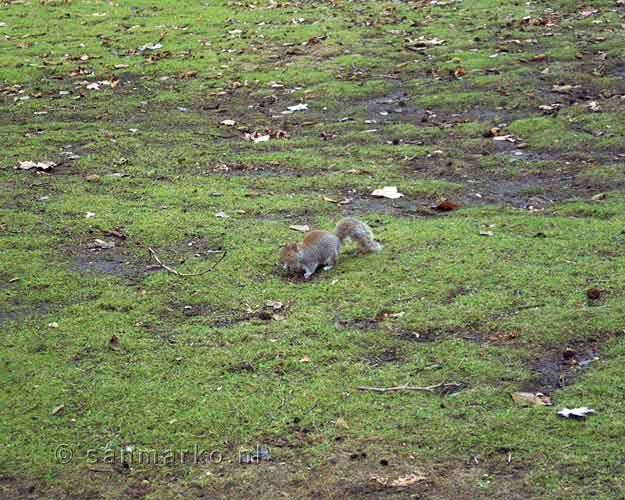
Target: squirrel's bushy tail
358 232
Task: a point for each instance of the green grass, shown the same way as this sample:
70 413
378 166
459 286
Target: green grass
143 360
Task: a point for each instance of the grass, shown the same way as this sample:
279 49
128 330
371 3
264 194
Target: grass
105 357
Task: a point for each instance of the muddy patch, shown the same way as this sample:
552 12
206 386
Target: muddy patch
522 191
364 324
393 107
21 313
384 357
115 256
113 262
413 336
559 369
261 169
7 316
403 207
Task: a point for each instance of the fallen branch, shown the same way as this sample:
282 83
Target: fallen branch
185 275
444 386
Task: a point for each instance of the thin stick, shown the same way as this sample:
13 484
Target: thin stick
429 388
184 275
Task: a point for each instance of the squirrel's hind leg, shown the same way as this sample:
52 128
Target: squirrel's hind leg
330 261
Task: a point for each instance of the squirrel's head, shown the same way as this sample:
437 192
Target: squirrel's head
288 255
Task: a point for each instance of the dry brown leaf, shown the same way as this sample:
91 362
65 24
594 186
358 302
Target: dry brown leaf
445 205
341 423
408 480
531 399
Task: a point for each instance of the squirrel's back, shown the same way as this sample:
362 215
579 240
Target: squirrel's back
359 232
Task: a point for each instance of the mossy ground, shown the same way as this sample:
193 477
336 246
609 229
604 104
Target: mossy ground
200 361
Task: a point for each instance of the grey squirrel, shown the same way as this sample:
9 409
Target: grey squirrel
321 248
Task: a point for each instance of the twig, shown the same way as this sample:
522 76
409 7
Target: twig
184 275
529 306
430 388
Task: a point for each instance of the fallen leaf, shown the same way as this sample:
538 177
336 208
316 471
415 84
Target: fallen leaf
187 74
550 108
39 165
330 200
396 315
599 197
579 413
297 107
593 293
340 423
58 410
116 233
103 244
387 192
301 228
507 138
305 359
408 480
150 46
424 42
276 305
277 133
529 399
594 106
588 12
445 205
563 89
257 137
401 481
459 72
114 343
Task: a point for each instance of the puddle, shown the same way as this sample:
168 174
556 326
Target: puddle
7 316
558 370
22 313
387 356
113 263
362 205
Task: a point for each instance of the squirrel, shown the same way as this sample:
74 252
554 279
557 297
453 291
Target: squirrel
321 248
